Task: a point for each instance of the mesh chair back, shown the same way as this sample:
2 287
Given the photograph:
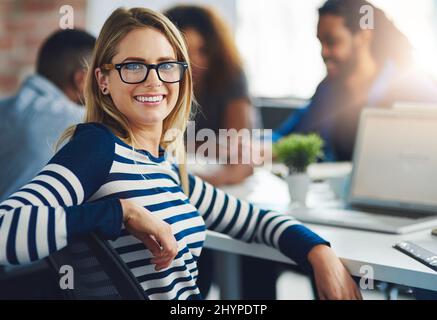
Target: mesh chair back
98 271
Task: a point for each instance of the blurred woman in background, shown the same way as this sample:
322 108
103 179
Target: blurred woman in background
220 85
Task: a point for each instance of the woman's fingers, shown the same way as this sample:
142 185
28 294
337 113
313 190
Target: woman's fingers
162 262
336 286
156 234
333 280
354 292
358 294
168 242
164 248
152 245
352 288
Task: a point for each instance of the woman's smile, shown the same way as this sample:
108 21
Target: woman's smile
149 99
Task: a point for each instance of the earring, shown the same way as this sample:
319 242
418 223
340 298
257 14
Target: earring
105 90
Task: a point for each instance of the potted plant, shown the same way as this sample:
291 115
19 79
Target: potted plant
297 152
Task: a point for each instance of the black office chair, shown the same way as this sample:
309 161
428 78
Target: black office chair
99 272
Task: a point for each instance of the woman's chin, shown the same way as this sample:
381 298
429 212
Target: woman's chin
151 115
152 120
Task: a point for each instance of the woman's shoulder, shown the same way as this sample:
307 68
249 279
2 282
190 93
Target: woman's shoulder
91 146
93 130
93 137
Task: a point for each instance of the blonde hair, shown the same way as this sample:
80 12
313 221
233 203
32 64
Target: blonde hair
100 108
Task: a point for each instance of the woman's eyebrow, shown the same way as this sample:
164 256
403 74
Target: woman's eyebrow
144 60
134 59
167 59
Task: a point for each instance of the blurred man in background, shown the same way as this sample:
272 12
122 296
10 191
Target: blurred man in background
30 124
367 65
45 105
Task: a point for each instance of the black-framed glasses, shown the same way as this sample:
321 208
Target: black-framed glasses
137 72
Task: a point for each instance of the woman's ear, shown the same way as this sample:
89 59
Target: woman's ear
102 80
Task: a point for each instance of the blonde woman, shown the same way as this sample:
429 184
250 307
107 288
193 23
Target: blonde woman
111 177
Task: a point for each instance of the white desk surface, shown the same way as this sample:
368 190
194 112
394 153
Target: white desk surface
356 248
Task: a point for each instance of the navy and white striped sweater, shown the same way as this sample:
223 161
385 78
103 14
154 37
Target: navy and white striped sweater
78 192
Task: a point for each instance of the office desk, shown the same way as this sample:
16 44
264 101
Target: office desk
355 248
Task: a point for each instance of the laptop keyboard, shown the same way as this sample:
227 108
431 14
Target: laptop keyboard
413 215
377 219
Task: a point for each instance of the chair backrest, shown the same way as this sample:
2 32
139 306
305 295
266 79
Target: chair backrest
98 271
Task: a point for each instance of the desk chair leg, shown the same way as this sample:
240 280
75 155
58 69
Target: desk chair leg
227 275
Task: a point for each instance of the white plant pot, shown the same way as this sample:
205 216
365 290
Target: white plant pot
298 185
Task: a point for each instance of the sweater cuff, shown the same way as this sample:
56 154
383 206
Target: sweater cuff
117 221
103 217
296 242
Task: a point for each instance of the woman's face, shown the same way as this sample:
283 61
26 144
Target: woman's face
150 102
197 52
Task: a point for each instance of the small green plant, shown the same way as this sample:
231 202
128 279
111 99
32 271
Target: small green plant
298 151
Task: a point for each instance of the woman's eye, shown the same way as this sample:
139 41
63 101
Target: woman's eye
134 66
167 66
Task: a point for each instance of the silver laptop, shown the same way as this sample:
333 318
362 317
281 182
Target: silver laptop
393 187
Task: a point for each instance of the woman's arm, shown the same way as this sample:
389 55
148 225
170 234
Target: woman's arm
243 221
44 215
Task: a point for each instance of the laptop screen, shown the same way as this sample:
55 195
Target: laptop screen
395 160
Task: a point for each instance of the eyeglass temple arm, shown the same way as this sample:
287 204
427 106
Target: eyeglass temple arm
108 66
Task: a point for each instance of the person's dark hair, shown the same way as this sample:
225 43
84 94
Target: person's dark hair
223 57
388 42
62 54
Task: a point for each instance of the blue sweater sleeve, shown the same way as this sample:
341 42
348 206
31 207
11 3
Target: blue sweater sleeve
289 125
243 221
44 215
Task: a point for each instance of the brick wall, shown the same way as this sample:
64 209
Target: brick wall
24 24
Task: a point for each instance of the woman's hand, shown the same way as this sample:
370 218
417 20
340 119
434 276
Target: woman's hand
332 279
156 234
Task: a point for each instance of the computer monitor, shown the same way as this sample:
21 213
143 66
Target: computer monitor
395 160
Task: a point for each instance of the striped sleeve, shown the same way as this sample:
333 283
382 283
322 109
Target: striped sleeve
243 221
50 210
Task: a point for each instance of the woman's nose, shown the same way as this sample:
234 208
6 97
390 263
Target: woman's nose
152 78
